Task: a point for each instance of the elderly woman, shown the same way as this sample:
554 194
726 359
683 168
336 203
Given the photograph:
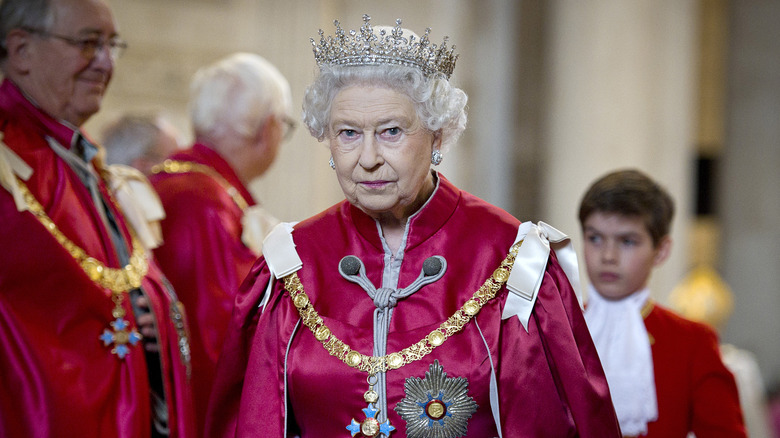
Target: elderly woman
411 308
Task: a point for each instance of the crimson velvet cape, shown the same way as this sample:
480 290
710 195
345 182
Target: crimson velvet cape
549 379
203 255
58 378
695 390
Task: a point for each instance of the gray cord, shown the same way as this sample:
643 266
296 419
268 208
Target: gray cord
385 299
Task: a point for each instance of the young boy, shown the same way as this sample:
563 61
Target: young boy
665 373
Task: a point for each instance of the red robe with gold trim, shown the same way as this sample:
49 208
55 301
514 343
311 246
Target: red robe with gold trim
203 255
695 390
273 372
58 378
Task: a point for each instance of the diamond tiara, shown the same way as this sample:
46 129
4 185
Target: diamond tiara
364 47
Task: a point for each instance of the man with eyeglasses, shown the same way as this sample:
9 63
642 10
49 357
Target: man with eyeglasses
214 228
93 340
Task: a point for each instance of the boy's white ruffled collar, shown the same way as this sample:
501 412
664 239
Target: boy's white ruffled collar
621 339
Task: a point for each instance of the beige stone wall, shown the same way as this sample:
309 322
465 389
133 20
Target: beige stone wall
748 189
170 39
620 93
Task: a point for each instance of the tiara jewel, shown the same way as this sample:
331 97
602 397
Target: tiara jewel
364 47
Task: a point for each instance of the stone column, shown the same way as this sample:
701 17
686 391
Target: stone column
620 93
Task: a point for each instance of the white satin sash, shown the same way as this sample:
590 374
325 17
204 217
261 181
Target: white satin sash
530 264
139 202
12 166
256 223
280 253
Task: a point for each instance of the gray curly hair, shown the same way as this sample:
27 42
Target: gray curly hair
440 106
14 14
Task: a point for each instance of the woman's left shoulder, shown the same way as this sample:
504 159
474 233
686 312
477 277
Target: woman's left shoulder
484 212
456 203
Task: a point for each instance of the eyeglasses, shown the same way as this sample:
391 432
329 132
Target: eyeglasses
289 128
89 46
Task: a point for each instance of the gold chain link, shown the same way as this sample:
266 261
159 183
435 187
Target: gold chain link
374 364
175 167
118 280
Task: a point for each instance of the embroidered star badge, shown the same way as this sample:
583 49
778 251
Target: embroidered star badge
436 405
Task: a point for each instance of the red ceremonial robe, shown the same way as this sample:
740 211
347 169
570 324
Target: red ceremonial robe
695 390
58 378
203 256
549 379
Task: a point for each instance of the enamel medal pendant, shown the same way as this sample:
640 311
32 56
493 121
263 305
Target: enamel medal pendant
121 337
370 427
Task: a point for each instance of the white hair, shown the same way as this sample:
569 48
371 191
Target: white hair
130 137
236 95
440 106
14 14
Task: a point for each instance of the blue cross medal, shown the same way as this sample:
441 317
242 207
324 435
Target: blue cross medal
370 427
120 337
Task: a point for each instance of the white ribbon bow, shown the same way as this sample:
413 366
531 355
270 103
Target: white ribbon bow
11 166
530 264
279 251
256 223
280 255
139 203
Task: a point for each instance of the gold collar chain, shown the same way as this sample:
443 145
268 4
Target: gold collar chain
173 166
117 280
374 364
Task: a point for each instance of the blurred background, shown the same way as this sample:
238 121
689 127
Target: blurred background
560 92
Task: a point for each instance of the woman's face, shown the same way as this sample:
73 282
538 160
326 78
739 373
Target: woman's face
381 151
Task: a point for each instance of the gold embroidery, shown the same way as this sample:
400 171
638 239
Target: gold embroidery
647 308
645 311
